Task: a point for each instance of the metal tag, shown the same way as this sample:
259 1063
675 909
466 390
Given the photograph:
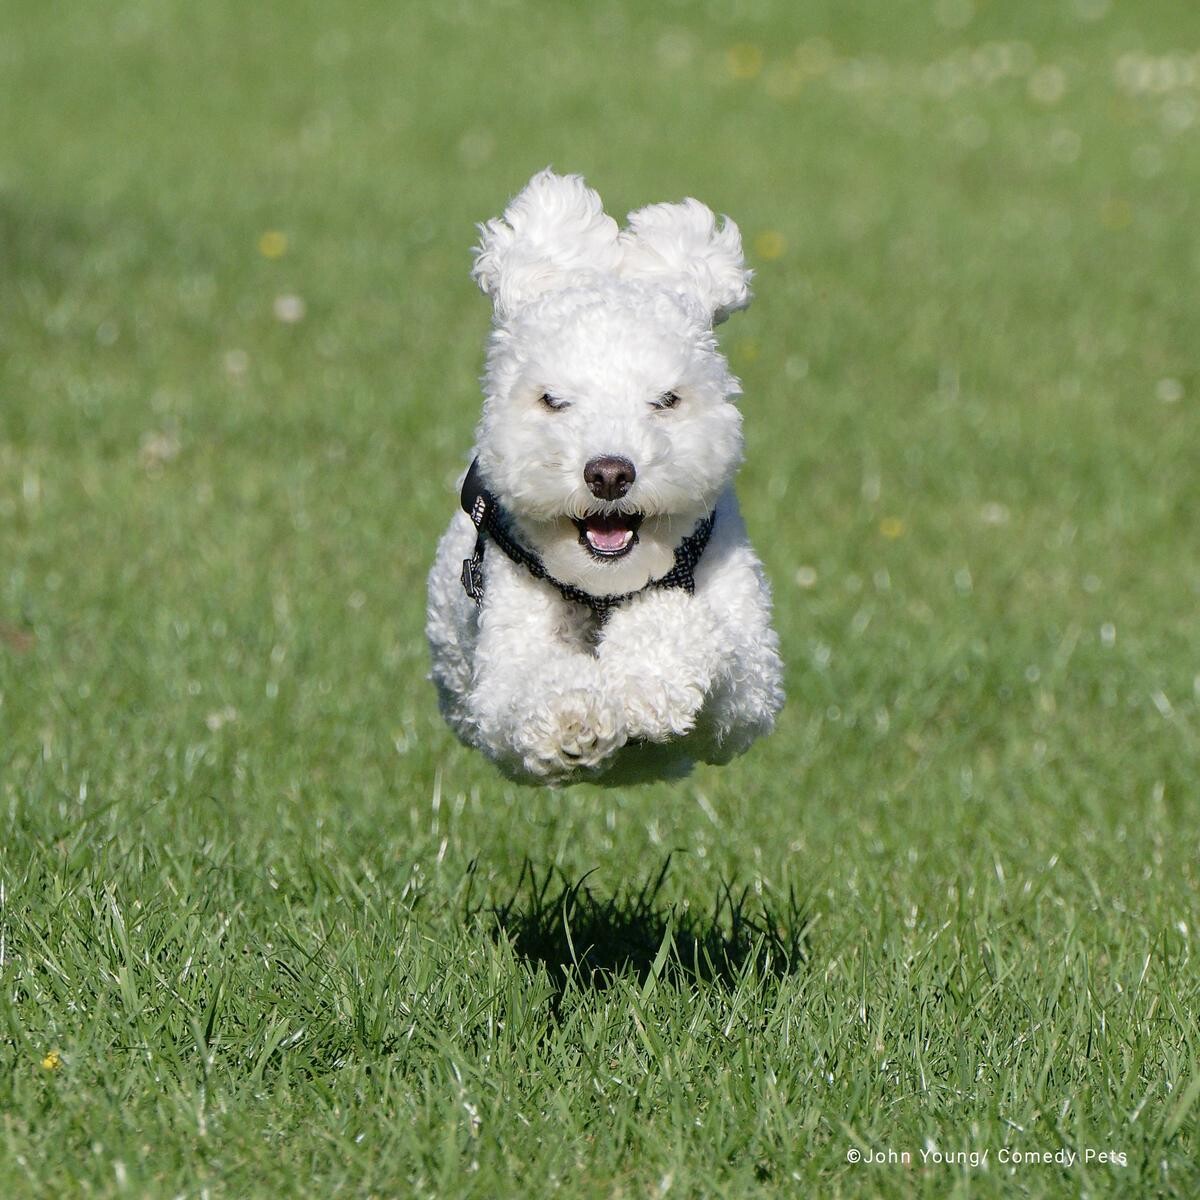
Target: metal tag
472 579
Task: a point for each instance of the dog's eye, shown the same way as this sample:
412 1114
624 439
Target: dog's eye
667 400
552 402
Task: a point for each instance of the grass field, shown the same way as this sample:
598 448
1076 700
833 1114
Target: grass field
267 930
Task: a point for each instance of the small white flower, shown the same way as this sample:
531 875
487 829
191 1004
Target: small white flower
1169 391
289 308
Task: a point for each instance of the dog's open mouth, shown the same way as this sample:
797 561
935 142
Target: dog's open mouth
609 536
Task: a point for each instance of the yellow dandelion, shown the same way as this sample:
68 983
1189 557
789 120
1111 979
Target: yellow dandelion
273 244
745 60
770 245
891 527
747 350
53 1061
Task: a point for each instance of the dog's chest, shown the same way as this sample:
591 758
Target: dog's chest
579 629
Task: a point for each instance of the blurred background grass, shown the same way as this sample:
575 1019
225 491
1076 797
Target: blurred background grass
238 374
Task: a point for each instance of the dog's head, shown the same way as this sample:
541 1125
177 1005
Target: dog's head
608 426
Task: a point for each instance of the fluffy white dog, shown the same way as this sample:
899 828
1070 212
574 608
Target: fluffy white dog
598 594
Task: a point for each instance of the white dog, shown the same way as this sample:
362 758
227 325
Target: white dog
598 592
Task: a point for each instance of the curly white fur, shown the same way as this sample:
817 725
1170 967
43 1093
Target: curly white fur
605 324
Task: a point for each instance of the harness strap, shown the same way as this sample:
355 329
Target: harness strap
489 520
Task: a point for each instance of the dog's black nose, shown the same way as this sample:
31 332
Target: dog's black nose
609 477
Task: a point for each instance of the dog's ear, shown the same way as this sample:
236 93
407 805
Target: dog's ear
555 229
680 246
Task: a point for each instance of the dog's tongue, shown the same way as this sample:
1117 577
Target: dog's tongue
608 534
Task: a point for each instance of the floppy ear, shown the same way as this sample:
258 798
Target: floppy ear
555 229
680 246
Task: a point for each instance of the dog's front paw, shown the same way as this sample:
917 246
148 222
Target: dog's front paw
659 710
661 653
575 733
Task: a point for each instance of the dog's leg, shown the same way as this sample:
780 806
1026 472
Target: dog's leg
747 690
541 706
660 653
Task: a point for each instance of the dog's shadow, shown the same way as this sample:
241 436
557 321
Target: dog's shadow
588 941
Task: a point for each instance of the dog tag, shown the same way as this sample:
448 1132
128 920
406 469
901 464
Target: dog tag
472 579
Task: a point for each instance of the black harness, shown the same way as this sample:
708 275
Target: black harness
489 520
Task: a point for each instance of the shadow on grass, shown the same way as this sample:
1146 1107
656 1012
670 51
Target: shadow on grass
590 940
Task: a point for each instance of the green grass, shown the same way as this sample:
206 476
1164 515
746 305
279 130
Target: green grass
267 930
